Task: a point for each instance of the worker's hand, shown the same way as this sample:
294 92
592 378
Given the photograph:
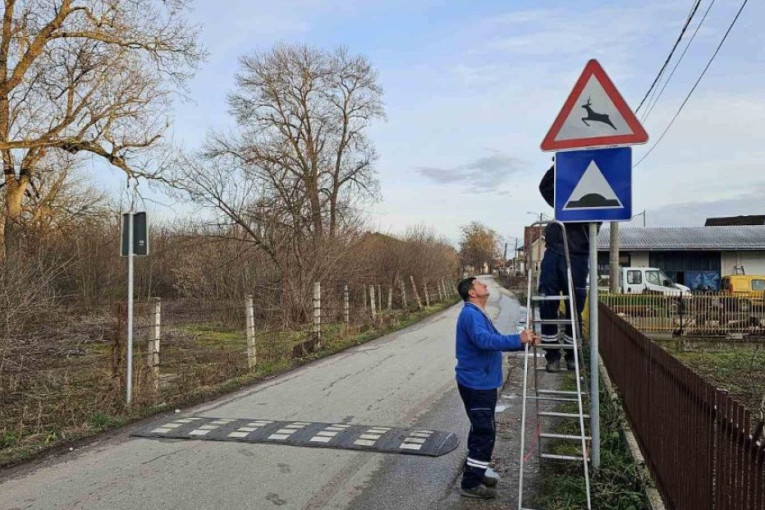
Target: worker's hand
530 337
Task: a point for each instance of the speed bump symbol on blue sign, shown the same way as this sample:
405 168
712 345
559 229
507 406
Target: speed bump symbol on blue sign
593 185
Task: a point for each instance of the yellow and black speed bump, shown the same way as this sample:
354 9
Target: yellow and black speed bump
432 443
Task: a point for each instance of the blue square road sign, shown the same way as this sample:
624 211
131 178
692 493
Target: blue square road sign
593 185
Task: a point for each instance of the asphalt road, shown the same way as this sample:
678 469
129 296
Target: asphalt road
403 379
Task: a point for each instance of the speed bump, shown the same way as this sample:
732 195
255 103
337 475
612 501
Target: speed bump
410 441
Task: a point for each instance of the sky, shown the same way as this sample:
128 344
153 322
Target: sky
471 88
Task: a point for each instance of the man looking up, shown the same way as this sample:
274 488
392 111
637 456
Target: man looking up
479 374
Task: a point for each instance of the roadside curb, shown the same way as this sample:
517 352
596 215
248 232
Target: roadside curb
654 498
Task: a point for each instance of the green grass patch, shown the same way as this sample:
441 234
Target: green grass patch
739 367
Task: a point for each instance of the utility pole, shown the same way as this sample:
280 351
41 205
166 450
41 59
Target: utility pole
515 256
613 260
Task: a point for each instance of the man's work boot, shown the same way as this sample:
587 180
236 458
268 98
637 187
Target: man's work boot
480 492
553 366
490 479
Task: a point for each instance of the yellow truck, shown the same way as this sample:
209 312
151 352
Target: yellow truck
750 287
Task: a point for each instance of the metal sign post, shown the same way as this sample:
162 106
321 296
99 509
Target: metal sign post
130 308
594 393
134 241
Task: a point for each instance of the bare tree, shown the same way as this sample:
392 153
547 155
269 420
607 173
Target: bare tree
298 161
92 76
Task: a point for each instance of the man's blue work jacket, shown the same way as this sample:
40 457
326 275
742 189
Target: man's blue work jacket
479 360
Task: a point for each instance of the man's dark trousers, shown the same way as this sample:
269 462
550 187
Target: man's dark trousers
479 405
552 281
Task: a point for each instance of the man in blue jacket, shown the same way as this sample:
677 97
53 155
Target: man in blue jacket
479 374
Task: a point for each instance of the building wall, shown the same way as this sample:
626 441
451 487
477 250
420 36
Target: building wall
639 259
753 262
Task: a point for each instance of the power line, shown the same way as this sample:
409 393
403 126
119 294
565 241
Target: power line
680 59
669 57
695 84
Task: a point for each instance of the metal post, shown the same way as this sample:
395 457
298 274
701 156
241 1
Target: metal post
129 396
250 331
317 313
152 357
346 305
594 394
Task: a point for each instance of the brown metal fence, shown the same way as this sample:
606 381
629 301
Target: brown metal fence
697 440
697 314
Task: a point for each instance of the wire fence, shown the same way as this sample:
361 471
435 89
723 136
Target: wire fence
67 373
709 314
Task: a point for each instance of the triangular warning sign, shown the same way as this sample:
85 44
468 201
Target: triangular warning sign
593 192
594 115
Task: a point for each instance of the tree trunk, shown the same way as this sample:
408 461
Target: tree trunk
12 229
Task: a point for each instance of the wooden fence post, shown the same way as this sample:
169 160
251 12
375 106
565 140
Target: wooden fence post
403 294
346 305
372 302
427 294
416 295
252 355
364 296
379 300
152 352
446 291
440 292
317 313
390 297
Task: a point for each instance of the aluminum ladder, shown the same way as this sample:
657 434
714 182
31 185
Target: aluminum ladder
546 395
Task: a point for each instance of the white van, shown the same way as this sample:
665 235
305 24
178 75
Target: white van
637 280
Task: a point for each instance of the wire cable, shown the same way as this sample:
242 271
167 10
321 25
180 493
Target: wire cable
672 51
694 85
680 59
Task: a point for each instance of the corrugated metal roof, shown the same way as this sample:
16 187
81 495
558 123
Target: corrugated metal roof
727 238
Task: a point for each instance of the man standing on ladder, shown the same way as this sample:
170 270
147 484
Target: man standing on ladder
479 374
552 278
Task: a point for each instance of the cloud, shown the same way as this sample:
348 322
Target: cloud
485 174
694 214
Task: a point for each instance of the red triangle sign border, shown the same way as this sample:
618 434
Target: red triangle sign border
637 136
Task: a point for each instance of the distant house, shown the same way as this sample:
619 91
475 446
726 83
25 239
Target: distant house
694 256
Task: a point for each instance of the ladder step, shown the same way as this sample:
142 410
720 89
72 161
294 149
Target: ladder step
556 346
549 298
565 322
562 457
562 415
556 399
561 392
563 436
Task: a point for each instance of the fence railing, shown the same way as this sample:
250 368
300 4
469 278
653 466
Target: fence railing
697 314
698 442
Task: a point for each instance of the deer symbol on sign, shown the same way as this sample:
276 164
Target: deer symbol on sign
595 117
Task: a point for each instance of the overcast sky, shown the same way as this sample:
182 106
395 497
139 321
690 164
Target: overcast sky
472 87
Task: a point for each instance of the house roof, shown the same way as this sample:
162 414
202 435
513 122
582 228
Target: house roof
735 220
722 238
